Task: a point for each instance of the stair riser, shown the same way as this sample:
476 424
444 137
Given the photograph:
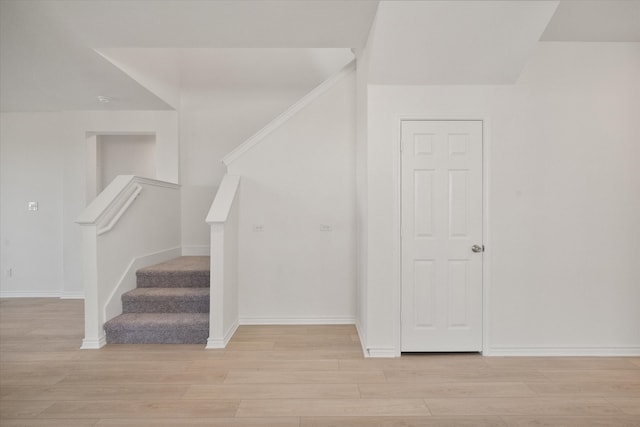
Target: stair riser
165 336
172 280
165 305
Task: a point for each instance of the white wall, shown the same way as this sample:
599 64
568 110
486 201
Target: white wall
44 158
30 170
126 155
227 95
211 126
301 176
564 200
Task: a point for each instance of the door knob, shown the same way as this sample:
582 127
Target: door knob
477 248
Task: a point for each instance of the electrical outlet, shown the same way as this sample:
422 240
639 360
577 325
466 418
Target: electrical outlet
258 228
326 227
32 206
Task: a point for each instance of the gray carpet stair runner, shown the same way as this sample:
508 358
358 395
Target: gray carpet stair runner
169 306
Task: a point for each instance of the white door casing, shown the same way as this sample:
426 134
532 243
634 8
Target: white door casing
441 214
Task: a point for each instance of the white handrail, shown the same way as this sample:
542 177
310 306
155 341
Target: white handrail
113 201
221 206
134 194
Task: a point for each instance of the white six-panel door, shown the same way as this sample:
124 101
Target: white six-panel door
441 222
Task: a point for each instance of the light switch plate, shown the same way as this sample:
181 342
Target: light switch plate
32 206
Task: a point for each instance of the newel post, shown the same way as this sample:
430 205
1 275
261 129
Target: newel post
94 336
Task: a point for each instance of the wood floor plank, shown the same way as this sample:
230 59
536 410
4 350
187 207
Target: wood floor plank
199 422
522 406
562 362
327 338
426 362
419 390
251 345
304 377
267 365
44 356
463 375
141 409
587 389
573 421
22 408
592 375
273 391
402 421
99 392
628 405
49 423
133 377
293 354
331 407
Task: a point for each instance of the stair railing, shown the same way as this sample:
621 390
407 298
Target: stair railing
133 222
223 220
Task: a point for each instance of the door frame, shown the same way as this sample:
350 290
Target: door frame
397 249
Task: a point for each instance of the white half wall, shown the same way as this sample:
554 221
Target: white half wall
564 200
44 159
297 249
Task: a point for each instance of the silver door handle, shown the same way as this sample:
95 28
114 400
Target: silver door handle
477 248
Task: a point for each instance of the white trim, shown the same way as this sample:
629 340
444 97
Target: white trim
229 334
94 344
290 112
215 344
219 344
564 351
397 261
223 200
324 320
196 250
363 343
486 232
72 295
111 197
118 214
30 294
374 352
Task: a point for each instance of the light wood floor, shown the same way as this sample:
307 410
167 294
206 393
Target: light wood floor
289 376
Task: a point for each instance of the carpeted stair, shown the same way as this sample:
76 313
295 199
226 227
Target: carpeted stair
169 306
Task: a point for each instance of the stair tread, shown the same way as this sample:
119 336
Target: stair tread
169 306
184 264
167 292
152 320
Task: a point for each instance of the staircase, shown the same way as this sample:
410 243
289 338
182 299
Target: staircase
169 306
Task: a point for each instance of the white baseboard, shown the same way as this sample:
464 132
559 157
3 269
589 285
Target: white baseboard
381 352
94 344
297 320
30 294
361 337
564 351
229 334
72 295
216 343
196 250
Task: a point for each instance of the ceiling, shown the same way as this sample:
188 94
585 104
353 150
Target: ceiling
61 54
